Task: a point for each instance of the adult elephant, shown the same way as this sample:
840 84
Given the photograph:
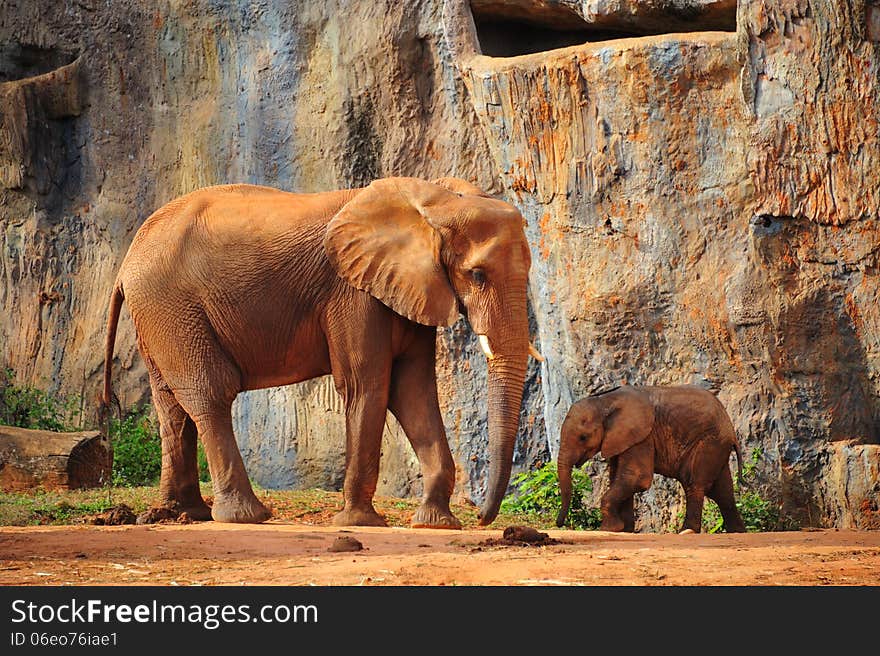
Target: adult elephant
242 287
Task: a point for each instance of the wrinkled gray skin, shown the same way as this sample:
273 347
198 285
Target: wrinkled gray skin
682 432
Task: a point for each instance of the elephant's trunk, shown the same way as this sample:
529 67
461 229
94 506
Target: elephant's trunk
563 469
508 342
506 378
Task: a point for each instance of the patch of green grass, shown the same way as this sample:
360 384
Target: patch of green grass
202 459
137 448
69 506
312 506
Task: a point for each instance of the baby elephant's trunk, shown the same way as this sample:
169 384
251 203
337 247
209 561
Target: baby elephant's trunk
564 472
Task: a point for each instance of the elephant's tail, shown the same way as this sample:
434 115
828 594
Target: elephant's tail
116 299
739 463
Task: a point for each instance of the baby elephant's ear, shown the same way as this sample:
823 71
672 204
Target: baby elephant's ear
628 421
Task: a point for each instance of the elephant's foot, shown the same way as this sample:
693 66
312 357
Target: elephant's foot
192 504
735 526
612 525
434 515
687 531
359 517
200 512
239 509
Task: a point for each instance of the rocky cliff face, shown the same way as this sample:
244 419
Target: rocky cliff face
699 180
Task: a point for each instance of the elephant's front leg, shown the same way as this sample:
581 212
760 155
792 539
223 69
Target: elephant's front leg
612 508
630 472
626 510
413 400
364 421
360 359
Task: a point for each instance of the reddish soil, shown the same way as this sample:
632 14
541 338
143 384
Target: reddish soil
284 553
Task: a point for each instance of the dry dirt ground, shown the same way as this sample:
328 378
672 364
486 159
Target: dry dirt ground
289 553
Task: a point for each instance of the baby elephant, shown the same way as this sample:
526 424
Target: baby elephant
678 431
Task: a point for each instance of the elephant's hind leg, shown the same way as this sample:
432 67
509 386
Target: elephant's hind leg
414 402
185 355
207 398
693 513
234 499
627 513
179 482
721 493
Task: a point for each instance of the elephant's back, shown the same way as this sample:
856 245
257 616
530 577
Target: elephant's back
241 209
698 409
205 229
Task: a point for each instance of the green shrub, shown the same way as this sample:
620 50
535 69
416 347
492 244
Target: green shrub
204 473
537 494
137 449
28 407
758 514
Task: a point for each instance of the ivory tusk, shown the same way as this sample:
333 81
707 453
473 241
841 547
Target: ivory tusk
535 353
484 344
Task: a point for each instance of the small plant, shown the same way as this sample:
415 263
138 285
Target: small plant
64 512
204 473
35 507
28 407
537 494
759 514
137 449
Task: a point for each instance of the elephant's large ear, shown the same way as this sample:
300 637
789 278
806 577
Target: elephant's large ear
629 419
380 242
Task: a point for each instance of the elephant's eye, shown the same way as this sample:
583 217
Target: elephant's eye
478 276
583 438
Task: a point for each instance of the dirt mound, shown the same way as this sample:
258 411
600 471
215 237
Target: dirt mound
520 536
163 515
345 543
116 516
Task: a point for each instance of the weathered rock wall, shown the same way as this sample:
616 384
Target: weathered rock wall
179 95
702 206
704 210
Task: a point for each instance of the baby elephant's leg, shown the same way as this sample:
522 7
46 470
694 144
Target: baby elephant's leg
627 513
721 493
693 516
629 475
610 503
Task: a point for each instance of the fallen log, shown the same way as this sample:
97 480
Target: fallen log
50 460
